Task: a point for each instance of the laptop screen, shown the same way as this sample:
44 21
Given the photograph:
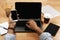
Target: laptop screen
28 10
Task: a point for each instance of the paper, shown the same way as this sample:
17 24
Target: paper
49 9
2 26
2 31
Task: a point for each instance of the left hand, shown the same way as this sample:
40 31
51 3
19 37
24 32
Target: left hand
12 24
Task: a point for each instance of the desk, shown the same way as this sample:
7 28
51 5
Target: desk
27 36
1 37
24 36
34 36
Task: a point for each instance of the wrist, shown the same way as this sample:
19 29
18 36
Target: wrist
11 28
35 28
38 30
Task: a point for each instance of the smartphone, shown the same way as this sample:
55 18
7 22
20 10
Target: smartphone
52 29
14 15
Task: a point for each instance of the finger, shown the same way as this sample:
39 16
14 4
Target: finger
28 22
27 25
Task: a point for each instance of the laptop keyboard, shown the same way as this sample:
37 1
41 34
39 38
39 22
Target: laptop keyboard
21 25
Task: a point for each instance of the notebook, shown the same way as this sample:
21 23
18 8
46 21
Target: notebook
27 11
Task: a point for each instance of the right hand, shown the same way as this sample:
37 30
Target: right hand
31 24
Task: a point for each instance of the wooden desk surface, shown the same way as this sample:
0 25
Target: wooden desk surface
24 36
27 36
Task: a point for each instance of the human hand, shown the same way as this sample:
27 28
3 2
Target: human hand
8 11
12 24
31 24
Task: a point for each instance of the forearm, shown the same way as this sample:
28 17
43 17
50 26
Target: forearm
38 30
46 36
11 31
11 27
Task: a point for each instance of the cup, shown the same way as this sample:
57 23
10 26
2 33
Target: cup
46 20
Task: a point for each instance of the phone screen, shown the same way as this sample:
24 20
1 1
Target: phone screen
14 15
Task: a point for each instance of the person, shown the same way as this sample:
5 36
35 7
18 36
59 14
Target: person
11 33
43 35
6 24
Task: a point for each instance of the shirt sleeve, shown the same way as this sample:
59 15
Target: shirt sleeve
45 36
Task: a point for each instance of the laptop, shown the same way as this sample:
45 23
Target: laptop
27 11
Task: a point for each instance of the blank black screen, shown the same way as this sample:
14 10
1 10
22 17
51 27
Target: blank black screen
28 10
14 15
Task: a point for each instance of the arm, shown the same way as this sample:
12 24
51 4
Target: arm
11 22
43 35
32 25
